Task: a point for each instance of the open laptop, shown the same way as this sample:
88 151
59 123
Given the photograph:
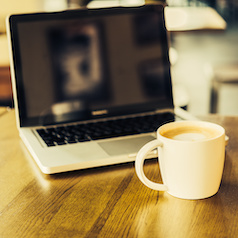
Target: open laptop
90 86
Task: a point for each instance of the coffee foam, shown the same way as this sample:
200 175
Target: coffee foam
190 133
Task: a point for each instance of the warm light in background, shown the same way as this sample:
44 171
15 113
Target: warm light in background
108 3
193 18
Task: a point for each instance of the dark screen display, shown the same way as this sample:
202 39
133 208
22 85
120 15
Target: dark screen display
79 66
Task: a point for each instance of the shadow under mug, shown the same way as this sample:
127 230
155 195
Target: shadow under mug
190 167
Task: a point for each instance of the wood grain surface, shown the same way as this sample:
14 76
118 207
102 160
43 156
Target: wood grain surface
109 201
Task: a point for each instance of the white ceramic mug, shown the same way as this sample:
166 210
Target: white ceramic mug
191 159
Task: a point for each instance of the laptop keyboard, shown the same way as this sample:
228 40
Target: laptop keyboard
69 134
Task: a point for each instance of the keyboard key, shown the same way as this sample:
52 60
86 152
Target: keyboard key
105 129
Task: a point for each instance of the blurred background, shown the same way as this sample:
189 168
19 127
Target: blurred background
203 37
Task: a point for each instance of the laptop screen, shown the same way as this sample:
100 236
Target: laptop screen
90 63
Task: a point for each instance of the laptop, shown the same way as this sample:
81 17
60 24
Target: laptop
90 86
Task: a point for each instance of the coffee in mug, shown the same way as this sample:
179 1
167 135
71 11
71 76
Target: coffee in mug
190 133
191 159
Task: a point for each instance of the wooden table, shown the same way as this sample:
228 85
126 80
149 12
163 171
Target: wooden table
110 201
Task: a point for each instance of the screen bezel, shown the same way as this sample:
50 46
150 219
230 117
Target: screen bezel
25 121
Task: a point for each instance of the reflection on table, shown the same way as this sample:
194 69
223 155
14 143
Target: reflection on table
108 201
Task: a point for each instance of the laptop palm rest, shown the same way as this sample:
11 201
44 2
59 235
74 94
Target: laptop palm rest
125 146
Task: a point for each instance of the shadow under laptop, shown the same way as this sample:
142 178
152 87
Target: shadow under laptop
108 173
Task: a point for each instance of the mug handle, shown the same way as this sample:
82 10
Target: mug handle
139 163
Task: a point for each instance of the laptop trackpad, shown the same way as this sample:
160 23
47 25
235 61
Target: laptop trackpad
125 146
